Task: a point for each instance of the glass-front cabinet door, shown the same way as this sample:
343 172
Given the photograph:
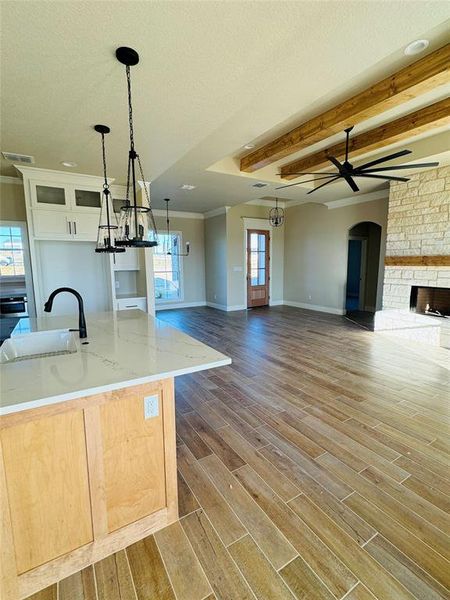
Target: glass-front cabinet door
87 199
48 196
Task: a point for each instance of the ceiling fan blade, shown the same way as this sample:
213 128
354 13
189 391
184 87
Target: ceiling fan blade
335 162
351 183
308 181
322 184
384 159
385 177
399 167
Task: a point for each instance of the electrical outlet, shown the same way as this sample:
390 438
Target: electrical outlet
215 296
151 406
117 285
310 297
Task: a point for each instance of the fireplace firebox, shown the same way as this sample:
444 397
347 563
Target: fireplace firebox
433 301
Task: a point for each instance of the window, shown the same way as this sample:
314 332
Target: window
167 268
11 252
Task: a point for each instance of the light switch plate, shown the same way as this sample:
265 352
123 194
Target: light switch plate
151 406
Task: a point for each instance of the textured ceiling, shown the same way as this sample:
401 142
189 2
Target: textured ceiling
212 77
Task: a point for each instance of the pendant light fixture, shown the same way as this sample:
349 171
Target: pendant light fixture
107 228
172 249
137 227
276 215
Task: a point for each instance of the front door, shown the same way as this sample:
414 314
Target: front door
257 267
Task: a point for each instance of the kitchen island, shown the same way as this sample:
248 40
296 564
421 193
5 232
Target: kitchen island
88 450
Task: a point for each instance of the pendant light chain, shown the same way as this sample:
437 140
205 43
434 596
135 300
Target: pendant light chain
105 184
137 223
130 108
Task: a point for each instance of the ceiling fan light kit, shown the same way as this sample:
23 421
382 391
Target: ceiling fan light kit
348 172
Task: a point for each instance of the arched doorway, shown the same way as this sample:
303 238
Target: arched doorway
363 264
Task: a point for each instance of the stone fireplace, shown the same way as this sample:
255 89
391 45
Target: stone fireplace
417 265
431 301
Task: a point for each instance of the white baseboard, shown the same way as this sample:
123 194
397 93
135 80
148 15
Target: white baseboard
225 307
236 307
316 307
171 305
218 306
276 302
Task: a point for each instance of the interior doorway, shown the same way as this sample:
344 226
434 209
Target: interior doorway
258 257
363 264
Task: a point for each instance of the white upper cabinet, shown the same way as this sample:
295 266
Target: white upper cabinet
62 205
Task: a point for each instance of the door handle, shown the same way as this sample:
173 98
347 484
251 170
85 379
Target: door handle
75 227
70 227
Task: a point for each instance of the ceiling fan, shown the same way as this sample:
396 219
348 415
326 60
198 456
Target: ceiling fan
348 172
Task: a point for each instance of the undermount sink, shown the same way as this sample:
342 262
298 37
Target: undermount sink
38 345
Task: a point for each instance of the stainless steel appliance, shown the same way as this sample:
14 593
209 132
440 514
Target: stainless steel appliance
14 306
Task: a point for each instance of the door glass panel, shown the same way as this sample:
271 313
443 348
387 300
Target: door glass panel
261 242
87 198
253 241
50 195
254 277
261 276
261 260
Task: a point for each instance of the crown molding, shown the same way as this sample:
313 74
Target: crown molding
11 180
378 195
216 212
178 214
53 175
269 203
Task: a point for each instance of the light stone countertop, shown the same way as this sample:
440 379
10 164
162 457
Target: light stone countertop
125 348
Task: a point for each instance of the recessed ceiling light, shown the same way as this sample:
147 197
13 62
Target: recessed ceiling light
249 146
68 163
187 187
416 47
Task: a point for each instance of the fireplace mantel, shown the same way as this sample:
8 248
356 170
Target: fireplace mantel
442 260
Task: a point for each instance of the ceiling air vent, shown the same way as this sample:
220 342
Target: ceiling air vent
260 184
18 158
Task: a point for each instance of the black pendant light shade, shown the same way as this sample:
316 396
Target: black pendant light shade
107 228
172 250
137 227
276 215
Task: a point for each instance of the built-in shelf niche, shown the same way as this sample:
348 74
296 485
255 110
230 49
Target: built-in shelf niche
132 279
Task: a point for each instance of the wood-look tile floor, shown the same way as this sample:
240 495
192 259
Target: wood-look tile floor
314 467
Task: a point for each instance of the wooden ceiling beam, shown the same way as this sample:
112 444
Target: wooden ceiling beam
424 119
416 79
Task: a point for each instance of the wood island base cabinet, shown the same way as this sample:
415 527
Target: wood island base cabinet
82 479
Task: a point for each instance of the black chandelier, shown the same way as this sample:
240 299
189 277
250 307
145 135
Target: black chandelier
173 249
276 215
107 228
137 227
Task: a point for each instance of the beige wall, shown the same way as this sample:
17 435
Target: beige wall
192 231
236 254
12 202
315 257
216 259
